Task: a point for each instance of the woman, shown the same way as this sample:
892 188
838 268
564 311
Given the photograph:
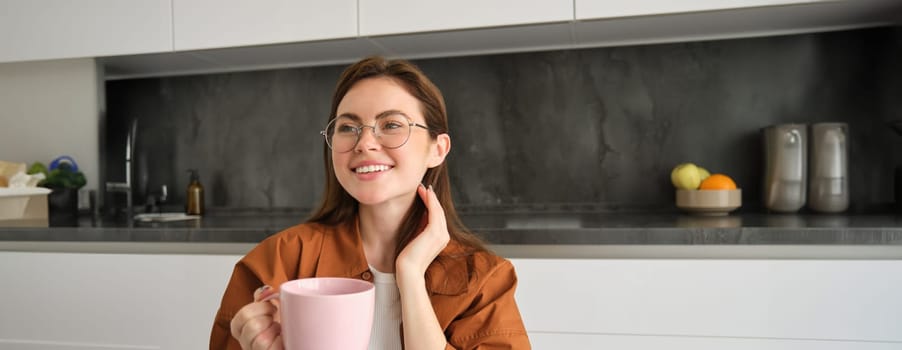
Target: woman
386 217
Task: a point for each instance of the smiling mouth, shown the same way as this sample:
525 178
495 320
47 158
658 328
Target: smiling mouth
366 169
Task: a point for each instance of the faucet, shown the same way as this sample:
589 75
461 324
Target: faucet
155 200
126 187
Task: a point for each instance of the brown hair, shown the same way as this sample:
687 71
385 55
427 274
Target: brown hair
338 207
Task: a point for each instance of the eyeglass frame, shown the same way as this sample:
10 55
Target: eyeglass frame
359 129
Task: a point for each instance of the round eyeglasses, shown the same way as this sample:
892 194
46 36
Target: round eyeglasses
391 131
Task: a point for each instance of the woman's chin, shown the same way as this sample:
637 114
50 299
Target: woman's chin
375 199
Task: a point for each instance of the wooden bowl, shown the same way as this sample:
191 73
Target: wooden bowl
709 202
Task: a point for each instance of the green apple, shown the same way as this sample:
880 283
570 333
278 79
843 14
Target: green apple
703 173
686 176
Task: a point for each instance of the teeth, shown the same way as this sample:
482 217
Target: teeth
371 169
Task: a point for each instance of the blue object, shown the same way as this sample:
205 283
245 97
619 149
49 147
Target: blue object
64 159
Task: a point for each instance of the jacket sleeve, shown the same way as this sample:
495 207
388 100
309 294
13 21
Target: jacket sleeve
240 292
271 262
493 320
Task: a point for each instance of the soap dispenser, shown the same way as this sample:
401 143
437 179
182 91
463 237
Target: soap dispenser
195 195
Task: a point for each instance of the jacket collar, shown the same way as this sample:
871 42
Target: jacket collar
449 273
341 254
343 248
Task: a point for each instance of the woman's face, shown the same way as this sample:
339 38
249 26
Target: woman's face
371 172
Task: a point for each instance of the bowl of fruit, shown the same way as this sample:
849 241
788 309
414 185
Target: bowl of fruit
701 193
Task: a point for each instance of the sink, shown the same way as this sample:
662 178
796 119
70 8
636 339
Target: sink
164 217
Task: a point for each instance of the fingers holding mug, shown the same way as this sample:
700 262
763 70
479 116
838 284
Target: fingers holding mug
267 293
256 325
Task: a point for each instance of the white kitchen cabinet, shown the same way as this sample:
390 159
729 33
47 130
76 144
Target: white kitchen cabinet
711 303
55 29
596 9
605 23
63 301
237 36
167 301
553 341
412 16
204 24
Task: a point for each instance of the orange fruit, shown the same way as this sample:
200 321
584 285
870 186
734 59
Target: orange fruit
717 182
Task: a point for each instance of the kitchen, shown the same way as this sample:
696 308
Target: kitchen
616 95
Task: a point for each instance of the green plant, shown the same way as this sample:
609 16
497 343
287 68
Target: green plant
63 176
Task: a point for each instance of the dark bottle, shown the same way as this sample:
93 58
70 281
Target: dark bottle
195 195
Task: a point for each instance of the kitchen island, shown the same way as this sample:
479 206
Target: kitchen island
586 281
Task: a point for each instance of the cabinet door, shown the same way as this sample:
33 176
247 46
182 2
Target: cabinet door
204 24
55 29
581 341
410 16
593 9
815 300
76 301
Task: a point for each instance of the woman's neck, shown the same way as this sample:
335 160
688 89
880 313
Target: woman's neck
379 231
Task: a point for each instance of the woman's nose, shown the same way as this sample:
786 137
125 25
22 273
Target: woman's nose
368 139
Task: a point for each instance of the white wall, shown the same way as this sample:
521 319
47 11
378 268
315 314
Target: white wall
48 109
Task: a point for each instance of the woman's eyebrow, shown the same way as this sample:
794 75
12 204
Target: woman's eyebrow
380 115
349 115
390 112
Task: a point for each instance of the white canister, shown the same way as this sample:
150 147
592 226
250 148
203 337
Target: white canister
785 167
828 182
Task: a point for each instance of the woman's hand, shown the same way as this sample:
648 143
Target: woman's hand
419 253
421 327
257 325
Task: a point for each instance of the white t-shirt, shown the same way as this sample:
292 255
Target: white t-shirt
386 333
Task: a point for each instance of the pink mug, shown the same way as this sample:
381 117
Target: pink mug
326 313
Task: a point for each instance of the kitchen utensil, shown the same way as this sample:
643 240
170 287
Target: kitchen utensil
785 167
828 189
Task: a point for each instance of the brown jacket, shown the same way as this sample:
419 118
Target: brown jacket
472 294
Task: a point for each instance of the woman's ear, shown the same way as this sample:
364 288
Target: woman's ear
438 150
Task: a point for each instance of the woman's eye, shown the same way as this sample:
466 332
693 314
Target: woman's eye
391 125
346 129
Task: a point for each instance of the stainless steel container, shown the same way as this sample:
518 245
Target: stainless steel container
785 167
828 182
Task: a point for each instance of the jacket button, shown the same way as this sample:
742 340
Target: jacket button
367 275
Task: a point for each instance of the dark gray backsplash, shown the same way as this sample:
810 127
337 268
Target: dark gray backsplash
600 126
